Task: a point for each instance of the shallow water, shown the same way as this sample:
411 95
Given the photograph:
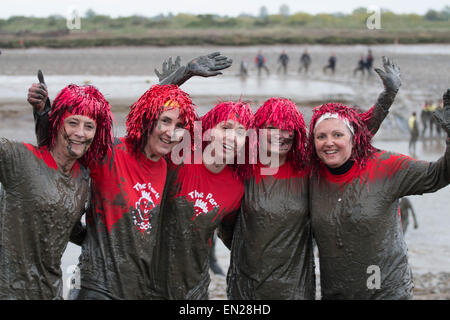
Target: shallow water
15 88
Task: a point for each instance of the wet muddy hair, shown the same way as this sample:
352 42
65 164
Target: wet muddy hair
145 112
283 114
87 101
224 111
362 147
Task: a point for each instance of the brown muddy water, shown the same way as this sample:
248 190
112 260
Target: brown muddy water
124 73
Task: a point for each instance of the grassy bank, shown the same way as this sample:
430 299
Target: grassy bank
222 37
187 29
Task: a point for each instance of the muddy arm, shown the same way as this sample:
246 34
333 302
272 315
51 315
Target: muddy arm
41 123
391 82
226 228
203 66
38 98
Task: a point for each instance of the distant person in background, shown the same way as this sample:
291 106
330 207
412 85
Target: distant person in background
243 72
331 64
425 117
260 61
305 61
432 121
405 209
369 62
283 59
440 105
361 66
414 132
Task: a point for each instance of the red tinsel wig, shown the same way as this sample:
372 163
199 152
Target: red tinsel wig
86 101
238 111
362 147
145 112
283 114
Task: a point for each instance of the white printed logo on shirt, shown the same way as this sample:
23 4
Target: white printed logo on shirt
143 207
202 204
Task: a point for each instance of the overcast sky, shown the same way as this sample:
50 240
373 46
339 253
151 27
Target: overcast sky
115 8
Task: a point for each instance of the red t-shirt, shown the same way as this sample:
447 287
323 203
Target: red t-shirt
122 226
127 184
208 190
197 201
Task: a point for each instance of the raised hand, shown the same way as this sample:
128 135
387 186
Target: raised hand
168 68
443 115
38 94
391 82
208 66
390 76
204 66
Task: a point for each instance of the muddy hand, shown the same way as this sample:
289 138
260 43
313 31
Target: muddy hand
443 115
390 76
391 82
38 94
41 78
168 68
208 66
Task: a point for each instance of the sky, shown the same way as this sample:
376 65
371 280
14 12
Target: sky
150 8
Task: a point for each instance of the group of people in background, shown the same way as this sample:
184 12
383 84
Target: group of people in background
365 64
428 122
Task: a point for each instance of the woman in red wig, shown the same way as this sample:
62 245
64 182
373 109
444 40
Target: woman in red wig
354 192
199 196
272 251
45 190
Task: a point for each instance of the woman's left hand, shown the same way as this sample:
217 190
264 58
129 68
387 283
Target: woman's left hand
390 76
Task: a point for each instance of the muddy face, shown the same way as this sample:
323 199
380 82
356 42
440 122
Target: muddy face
333 142
278 141
227 140
166 134
76 136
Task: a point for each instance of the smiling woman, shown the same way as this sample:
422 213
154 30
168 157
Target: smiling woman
163 138
45 191
354 191
333 141
199 197
74 139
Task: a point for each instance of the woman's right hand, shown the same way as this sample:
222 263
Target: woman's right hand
37 96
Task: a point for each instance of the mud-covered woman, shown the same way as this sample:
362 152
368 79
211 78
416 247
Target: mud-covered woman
202 193
45 191
354 192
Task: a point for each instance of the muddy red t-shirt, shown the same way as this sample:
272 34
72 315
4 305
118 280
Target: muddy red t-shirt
197 201
122 225
272 250
39 206
363 254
